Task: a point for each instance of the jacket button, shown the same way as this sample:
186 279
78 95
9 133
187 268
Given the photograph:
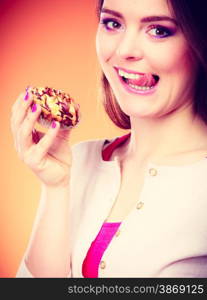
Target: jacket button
153 172
102 264
140 205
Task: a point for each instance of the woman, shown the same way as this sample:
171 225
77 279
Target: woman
133 206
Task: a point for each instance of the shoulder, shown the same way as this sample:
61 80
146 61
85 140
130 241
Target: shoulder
88 147
98 149
88 152
87 162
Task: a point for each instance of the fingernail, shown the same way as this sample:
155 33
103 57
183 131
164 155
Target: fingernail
53 124
34 107
26 97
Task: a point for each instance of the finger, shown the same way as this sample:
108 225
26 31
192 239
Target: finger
14 110
20 110
23 95
16 103
46 142
14 116
64 133
25 132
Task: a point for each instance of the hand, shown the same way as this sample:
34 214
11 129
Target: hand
47 154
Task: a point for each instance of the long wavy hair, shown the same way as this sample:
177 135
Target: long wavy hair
193 23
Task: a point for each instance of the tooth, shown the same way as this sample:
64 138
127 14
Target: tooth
140 88
134 76
120 73
126 75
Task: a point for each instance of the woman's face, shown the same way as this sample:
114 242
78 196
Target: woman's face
145 57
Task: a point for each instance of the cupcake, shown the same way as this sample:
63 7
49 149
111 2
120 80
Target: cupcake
56 106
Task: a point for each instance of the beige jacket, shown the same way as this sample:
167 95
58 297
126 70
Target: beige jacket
166 238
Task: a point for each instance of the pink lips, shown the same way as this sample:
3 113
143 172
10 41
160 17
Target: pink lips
129 71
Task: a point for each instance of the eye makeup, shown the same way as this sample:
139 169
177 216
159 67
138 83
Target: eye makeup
110 24
156 31
160 31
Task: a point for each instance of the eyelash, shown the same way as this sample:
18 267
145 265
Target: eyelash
106 21
167 32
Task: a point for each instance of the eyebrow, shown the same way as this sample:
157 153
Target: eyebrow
143 20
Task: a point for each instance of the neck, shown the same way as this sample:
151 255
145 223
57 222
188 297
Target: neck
157 138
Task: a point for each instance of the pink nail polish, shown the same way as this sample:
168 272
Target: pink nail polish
34 107
53 124
26 97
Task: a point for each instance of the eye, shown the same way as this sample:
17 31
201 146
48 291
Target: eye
110 24
160 31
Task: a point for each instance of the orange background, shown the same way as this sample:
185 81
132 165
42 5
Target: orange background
43 42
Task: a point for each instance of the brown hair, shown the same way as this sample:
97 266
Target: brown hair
112 108
193 22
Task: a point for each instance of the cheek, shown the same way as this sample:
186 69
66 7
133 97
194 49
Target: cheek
171 59
105 46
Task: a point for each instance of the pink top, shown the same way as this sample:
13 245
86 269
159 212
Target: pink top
108 229
97 248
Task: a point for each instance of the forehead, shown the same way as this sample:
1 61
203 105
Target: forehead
139 7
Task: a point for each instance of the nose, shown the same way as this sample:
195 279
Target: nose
129 47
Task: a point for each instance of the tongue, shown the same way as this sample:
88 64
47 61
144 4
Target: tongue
144 80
